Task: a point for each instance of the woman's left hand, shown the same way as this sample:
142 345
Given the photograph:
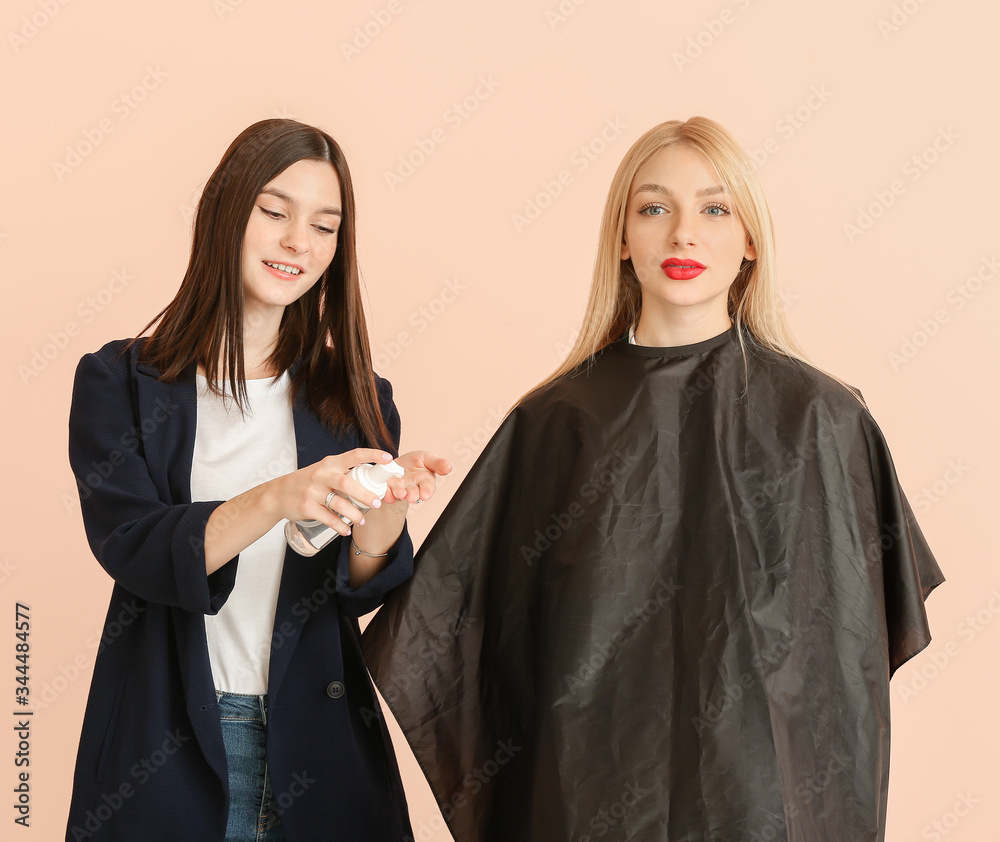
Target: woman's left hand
420 480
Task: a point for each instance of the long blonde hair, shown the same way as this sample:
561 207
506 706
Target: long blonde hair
615 295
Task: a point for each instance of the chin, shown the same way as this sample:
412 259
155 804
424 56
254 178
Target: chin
675 294
683 301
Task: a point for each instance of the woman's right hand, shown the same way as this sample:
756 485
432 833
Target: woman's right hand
302 494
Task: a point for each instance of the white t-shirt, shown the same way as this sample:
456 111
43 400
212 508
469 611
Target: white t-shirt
231 455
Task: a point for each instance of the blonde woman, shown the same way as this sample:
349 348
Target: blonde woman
667 600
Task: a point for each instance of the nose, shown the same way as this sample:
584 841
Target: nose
295 237
681 232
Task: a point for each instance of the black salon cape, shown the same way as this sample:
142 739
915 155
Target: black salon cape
663 608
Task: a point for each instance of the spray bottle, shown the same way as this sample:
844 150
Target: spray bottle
308 537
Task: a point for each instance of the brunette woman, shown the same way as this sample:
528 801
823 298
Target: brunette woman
230 699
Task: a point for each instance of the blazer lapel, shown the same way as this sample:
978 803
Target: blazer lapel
300 576
167 415
167 420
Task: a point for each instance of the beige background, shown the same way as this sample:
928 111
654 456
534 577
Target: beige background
471 305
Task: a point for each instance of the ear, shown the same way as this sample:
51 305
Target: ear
751 250
625 253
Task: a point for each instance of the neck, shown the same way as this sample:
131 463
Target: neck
668 328
260 337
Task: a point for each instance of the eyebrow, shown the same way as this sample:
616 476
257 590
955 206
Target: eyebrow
281 194
659 188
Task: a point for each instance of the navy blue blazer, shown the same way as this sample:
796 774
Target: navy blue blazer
151 763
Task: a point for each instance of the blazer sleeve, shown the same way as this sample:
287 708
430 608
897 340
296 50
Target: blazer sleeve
152 548
360 601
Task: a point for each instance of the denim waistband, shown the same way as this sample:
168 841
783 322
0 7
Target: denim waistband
241 706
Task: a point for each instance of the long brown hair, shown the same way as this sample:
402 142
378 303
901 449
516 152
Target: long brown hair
615 295
324 331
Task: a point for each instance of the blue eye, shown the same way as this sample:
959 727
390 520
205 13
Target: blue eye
724 211
648 210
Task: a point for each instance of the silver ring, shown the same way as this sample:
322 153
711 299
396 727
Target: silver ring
329 497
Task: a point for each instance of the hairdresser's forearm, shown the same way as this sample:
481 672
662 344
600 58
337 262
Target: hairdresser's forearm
236 524
381 530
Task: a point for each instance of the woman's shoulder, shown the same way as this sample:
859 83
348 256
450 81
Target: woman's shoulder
383 386
383 391
796 381
117 364
564 389
572 396
118 352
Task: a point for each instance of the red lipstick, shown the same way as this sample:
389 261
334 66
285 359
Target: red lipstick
679 269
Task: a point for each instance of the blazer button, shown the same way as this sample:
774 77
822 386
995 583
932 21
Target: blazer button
335 689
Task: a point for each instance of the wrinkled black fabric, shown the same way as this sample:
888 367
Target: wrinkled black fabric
665 604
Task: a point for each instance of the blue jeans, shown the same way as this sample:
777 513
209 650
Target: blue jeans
253 815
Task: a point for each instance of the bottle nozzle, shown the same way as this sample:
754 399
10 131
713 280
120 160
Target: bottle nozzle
380 473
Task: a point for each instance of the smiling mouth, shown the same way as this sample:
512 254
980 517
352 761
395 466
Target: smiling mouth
283 267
